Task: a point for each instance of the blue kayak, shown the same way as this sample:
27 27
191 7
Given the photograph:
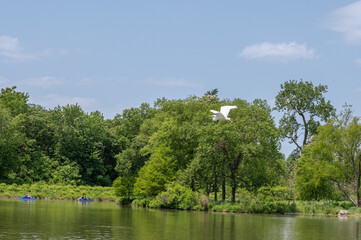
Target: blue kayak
85 199
25 197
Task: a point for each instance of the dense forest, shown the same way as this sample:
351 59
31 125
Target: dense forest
175 145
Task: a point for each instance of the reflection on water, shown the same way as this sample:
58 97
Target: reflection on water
84 202
50 219
27 201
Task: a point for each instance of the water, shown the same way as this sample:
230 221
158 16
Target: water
51 219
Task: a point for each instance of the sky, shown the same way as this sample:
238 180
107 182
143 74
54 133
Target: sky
113 55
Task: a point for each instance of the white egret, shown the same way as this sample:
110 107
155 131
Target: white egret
222 115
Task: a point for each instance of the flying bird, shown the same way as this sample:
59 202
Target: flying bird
222 115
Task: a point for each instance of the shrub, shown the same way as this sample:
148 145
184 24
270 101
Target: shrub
123 187
42 190
176 197
143 202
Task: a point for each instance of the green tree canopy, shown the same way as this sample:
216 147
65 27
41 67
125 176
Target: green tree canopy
304 106
335 156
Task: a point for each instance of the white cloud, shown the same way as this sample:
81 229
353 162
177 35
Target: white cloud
283 52
53 100
347 20
9 44
172 82
43 82
12 51
358 61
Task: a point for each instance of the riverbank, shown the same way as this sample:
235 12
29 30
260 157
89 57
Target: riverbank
330 208
250 205
59 192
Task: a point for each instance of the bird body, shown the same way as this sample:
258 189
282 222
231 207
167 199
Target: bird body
222 115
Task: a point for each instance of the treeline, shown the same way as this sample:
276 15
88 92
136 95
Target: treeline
151 151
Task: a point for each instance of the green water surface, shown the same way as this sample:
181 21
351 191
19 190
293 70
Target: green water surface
55 219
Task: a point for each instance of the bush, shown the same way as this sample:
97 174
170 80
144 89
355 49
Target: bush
143 202
123 187
245 199
224 207
176 197
42 190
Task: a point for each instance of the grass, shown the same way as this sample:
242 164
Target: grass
44 191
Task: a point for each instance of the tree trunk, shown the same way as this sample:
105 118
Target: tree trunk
215 187
357 197
208 190
358 182
224 190
233 200
234 186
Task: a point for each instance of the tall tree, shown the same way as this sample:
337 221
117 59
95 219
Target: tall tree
244 153
126 128
12 139
16 102
84 144
156 174
336 154
304 107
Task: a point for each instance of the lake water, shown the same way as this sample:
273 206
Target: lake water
53 219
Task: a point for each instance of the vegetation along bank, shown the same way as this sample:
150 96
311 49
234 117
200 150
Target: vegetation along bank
173 155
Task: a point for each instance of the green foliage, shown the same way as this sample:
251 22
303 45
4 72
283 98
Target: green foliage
304 106
278 193
177 142
84 141
176 197
45 191
230 151
141 202
124 187
156 174
126 127
311 183
354 210
12 139
334 157
15 102
322 207
224 207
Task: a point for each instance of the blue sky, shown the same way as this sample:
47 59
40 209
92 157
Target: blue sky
113 55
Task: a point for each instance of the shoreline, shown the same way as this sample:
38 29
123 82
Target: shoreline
63 199
209 210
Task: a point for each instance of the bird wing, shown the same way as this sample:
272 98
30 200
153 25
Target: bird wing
218 114
225 109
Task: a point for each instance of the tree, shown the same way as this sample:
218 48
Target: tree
304 106
241 153
335 154
159 171
124 188
15 102
84 142
211 96
174 127
310 180
12 139
126 128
